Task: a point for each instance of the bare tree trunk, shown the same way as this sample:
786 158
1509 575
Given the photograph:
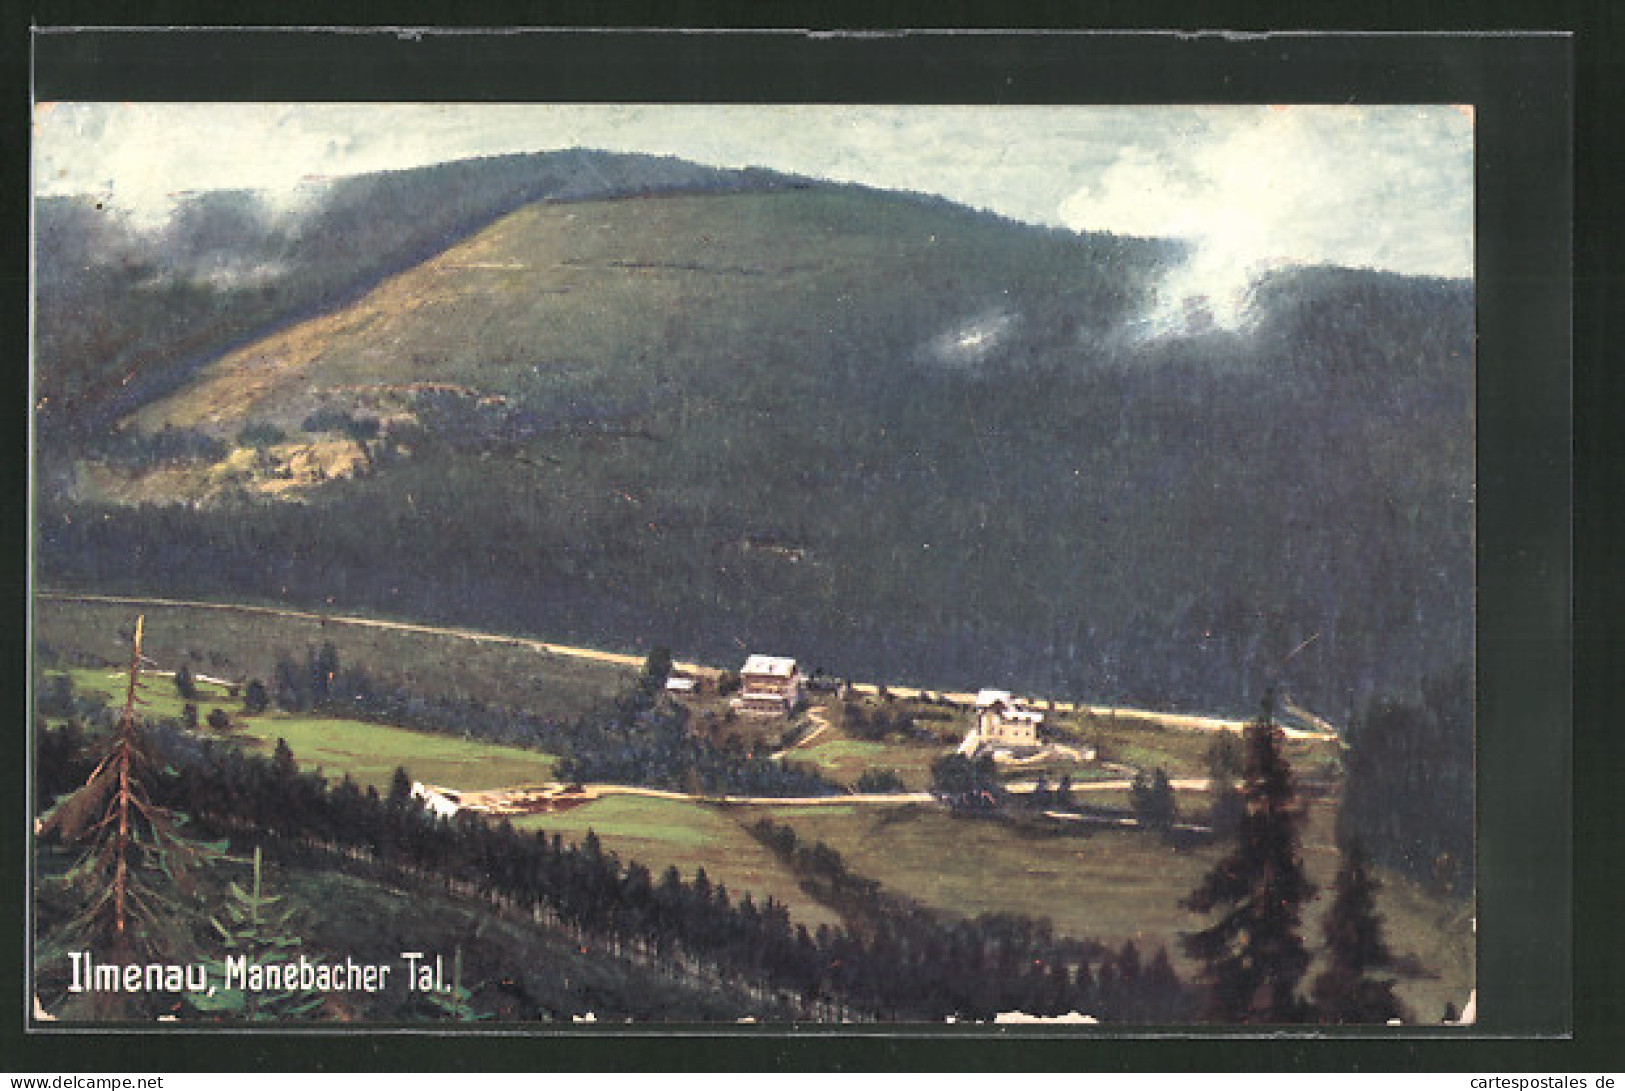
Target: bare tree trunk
122 801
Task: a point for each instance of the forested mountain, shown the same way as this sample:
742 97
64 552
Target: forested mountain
125 314
896 438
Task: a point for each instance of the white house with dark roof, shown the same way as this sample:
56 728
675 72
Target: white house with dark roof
1002 721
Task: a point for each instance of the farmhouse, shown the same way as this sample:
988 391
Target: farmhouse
768 684
1002 721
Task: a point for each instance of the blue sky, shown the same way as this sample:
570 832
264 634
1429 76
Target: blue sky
1385 187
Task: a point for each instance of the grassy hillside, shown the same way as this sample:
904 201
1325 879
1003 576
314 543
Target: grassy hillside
1117 884
892 437
590 308
126 314
662 833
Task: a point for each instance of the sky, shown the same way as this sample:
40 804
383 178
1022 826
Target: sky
1384 187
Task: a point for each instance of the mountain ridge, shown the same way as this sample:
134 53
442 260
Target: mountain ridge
89 260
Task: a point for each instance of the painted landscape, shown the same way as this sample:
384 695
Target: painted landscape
718 587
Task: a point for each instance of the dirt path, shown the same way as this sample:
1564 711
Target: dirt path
564 650
1179 784
1177 720
599 790
1124 822
816 715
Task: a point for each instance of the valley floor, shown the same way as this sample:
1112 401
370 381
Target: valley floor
1107 883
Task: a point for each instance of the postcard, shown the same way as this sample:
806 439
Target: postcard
538 564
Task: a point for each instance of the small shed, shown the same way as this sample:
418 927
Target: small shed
443 802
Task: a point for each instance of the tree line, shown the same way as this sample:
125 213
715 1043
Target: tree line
1408 790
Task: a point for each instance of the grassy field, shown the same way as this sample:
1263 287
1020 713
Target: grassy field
239 646
845 760
158 696
1141 743
1181 752
1088 885
1144 746
1114 884
661 833
368 752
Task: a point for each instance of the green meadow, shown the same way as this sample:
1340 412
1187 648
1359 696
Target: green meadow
662 833
368 753
1116 884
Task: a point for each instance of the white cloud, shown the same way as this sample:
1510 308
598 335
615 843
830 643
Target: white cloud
1380 187
1383 186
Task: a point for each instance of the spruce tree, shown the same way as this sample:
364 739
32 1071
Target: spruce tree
455 1005
184 683
1153 800
135 867
1345 992
253 925
656 670
256 699
324 671
1224 766
1252 956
